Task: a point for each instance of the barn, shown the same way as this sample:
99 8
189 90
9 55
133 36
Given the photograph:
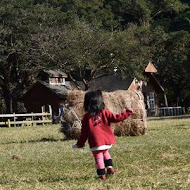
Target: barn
154 93
152 90
52 87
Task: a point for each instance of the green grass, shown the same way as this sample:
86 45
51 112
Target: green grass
158 160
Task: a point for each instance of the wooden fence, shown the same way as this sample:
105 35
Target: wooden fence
25 119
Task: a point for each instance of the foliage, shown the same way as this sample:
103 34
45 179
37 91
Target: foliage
91 36
17 52
134 51
172 60
12 76
82 48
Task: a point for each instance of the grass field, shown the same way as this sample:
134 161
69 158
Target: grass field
158 160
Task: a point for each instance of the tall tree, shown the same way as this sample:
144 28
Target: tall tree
80 48
19 20
13 74
143 12
91 37
172 58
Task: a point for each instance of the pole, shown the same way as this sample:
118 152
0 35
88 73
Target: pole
8 123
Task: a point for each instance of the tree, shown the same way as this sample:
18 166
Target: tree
93 38
134 47
181 22
143 12
19 21
172 60
80 48
94 53
13 77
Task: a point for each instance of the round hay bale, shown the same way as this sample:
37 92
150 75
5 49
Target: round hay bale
116 102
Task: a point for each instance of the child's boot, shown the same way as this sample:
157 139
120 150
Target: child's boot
109 165
103 177
110 170
101 174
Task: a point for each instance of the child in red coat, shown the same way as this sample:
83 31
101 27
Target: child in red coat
96 129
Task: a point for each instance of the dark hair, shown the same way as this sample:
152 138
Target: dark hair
93 102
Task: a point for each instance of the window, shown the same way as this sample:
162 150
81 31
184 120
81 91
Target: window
60 80
151 101
57 81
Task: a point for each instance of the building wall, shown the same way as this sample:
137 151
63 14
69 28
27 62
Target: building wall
147 90
39 96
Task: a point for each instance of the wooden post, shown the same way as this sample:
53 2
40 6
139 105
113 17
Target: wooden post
32 119
8 123
43 111
50 109
165 100
14 118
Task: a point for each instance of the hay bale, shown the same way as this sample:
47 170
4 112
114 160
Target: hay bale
116 102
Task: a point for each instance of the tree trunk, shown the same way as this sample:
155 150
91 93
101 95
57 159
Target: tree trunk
9 104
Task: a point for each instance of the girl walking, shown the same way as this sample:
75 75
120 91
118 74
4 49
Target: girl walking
96 129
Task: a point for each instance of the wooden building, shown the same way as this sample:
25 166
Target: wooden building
152 89
154 93
52 87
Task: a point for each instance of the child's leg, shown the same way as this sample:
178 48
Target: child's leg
99 160
108 162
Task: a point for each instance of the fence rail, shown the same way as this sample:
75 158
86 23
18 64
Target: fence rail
25 119
166 111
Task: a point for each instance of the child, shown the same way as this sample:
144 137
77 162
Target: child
96 129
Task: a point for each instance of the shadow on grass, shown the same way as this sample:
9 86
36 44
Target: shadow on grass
49 179
34 141
66 179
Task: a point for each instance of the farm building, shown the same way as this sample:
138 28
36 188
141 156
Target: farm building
151 89
52 87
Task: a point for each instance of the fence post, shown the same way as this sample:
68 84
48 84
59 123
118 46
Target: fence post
8 123
14 118
50 109
32 118
183 110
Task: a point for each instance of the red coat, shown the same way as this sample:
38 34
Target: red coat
97 130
